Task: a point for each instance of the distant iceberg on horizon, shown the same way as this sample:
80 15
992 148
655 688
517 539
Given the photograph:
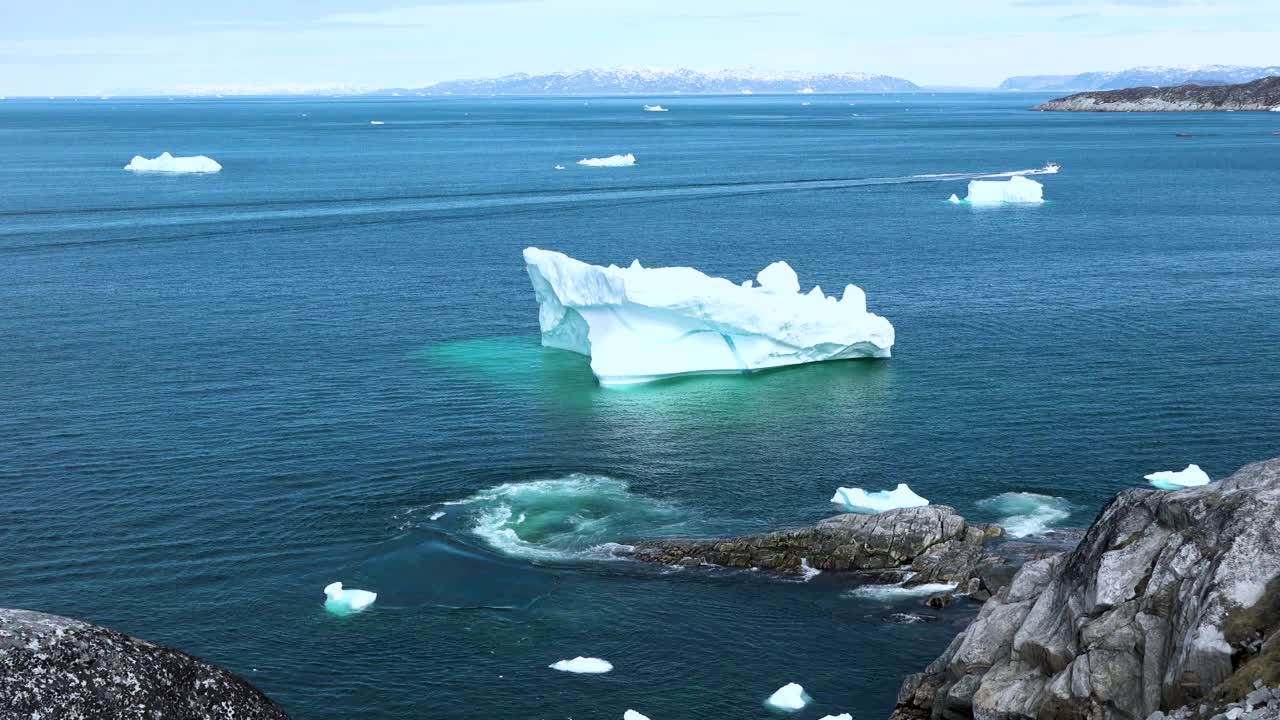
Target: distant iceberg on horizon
611 161
654 108
1017 189
641 324
166 163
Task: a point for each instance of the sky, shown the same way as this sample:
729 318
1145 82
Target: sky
90 47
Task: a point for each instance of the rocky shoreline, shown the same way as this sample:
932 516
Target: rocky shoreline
1259 95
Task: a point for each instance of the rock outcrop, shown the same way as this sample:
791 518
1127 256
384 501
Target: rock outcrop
1261 94
1171 599
56 667
927 544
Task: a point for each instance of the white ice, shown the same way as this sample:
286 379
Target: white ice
1176 480
437 515
376 122
1017 189
166 163
841 716
342 602
877 502
953 199
591 666
654 108
639 324
788 697
559 167
633 715
611 161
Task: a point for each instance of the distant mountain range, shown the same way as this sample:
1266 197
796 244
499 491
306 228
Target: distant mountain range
1261 94
1140 77
662 82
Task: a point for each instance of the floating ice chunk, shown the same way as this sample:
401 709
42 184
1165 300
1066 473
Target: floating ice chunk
437 515
166 163
376 122
1027 513
633 715
344 602
611 161
1017 189
639 324
806 91
789 697
654 108
953 199
841 716
583 665
559 167
1171 480
860 500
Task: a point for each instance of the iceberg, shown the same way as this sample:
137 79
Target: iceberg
789 697
633 715
166 163
611 161
953 199
590 666
654 108
860 500
1191 476
559 167
376 122
1017 189
344 602
841 716
640 324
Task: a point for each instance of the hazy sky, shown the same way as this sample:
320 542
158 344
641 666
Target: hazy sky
91 46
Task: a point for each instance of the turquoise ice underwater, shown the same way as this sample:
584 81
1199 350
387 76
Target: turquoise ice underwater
226 391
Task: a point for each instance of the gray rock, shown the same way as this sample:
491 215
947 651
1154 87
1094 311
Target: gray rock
1130 622
56 667
1262 94
933 543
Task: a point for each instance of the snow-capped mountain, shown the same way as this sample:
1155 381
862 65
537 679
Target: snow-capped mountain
660 82
1140 77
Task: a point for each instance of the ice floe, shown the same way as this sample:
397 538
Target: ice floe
437 515
860 500
639 324
633 715
841 716
789 697
654 108
611 161
559 167
340 601
166 163
953 199
1017 189
1024 513
1191 476
376 122
583 665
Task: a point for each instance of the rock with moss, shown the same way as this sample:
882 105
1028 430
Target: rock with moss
56 667
1170 600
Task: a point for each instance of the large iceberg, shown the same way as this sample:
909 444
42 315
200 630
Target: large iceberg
166 163
1017 189
1171 480
789 697
611 161
860 500
340 601
639 324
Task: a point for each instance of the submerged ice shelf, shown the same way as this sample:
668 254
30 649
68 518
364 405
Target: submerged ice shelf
640 324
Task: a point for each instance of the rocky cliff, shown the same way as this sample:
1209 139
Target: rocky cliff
1261 94
56 667
1170 599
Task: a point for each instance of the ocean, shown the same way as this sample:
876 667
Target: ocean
223 392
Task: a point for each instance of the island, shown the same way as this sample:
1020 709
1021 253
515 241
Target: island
1262 94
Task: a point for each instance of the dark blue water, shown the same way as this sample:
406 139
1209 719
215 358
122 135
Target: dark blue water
220 393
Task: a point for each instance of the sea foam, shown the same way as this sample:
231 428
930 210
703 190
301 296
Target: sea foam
1023 513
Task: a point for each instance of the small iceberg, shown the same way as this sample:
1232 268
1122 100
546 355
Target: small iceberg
640 324
859 500
633 715
806 91
1176 480
789 697
376 122
345 602
611 161
166 163
583 665
654 108
841 716
953 199
1017 189
559 167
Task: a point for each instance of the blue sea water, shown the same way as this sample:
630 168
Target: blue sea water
221 393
